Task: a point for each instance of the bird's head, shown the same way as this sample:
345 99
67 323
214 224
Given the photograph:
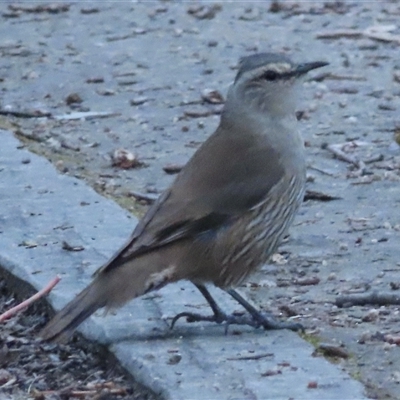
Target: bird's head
267 82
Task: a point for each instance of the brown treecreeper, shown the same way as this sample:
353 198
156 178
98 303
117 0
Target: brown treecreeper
227 210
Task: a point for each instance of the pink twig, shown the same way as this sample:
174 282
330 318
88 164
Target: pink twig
31 300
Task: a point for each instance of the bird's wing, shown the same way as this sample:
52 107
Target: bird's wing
226 177
130 245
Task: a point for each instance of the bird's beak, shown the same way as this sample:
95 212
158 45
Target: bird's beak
304 68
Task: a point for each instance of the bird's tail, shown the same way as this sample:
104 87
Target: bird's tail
110 288
61 327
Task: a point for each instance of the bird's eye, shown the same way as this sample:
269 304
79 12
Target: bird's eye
270 75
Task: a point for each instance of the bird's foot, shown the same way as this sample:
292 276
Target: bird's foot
256 321
219 318
268 322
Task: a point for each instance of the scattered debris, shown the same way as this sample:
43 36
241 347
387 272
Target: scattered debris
292 8
29 244
314 280
252 357
201 113
73 98
339 77
96 79
212 96
322 171
319 196
105 92
331 350
89 391
382 33
312 385
138 101
175 359
133 33
68 247
377 158
394 285
204 11
343 89
276 6
279 259
25 114
86 115
68 145
127 81
250 13
52 8
376 298
371 316
392 339
124 159
339 34
271 372
149 198
89 10
377 32
173 168
339 150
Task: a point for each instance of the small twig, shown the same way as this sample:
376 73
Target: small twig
201 114
382 33
336 149
8 383
321 170
149 198
313 280
339 34
314 195
31 300
378 157
89 390
376 298
81 394
49 8
365 180
254 357
25 114
338 77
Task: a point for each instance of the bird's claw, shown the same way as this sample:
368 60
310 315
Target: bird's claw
193 317
268 322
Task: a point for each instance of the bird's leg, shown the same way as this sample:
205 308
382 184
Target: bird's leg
265 320
219 315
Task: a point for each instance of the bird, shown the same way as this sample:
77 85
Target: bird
226 212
